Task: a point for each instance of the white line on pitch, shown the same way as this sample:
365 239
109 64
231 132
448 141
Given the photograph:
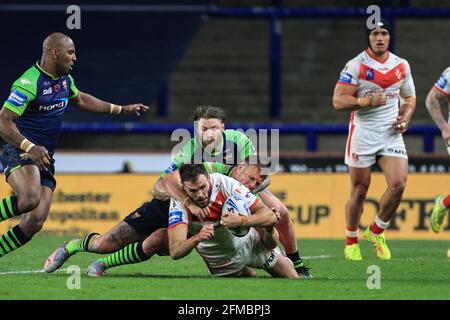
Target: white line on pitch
323 256
27 272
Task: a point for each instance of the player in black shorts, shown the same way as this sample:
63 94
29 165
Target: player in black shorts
30 122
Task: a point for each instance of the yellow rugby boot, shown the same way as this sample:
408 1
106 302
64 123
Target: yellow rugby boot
352 252
438 214
379 243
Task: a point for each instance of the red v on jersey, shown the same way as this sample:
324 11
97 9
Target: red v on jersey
215 209
384 80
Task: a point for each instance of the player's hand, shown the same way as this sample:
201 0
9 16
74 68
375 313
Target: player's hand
40 157
200 213
206 232
135 109
276 213
231 220
378 98
401 124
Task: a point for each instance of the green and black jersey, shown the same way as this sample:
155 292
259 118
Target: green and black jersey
236 147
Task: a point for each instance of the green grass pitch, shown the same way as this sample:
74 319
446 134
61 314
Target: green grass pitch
418 270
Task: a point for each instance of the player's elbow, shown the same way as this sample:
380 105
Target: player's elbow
159 192
175 255
175 252
337 103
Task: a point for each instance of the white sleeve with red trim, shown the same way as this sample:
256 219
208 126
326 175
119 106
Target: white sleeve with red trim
443 84
177 214
350 73
231 187
407 89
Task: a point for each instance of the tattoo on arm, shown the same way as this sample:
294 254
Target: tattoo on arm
435 105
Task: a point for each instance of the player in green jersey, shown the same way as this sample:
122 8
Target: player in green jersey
30 122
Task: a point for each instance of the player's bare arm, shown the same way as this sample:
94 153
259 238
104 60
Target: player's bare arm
261 217
436 102
10 133
180 245
90 103
405 114
269 237
344 98
159 191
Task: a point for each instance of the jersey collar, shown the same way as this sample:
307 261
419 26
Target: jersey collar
370 53
45 72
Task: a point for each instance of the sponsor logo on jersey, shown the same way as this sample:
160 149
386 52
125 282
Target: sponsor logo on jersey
47 91
57 87
175 217
442 82
135 215
61 104
369 74
26 82
17 99
398 74
345 77
65 84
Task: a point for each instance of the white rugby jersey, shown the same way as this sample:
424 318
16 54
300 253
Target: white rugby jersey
223 244
368 74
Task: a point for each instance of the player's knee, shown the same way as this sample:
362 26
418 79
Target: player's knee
397 187
360 192
28 201
33 226
157 242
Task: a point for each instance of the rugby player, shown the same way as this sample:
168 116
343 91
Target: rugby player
212 142
437 102
226 143
30 121
142 233
369 87
224 253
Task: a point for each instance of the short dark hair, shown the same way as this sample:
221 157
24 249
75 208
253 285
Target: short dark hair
209 112
190 172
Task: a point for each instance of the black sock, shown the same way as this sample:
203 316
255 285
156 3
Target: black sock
12 240
294 257
9 208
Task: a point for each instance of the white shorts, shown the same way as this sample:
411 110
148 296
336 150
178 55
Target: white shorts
252 254
364 145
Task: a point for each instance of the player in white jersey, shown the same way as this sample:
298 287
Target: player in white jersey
377 88
437 102
224 253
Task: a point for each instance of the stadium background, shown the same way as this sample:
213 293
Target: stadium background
185 53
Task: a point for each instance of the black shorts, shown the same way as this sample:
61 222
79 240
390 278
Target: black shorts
14 158
149 217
